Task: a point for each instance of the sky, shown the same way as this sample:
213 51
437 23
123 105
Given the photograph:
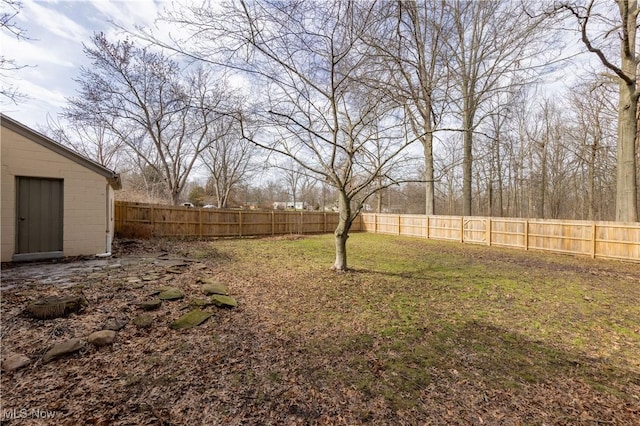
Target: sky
52 55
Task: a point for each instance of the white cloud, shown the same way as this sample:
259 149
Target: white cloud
52 97
53 51
129 14
55 22
42 101
34 52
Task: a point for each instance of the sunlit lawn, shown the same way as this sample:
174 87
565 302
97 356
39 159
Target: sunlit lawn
411 307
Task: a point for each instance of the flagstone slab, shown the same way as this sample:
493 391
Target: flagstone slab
191 319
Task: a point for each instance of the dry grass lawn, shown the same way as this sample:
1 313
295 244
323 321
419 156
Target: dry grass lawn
420 332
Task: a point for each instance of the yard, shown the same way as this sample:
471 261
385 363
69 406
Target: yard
420 332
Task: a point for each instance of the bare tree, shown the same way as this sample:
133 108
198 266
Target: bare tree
95 141
145 182
228 158
495 181
141 97
517 151
556 172
597 22
449 185
312 59
8 14
593 108
267 192
413 47
297 179
493 46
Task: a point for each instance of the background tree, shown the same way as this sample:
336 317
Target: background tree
494 47
95 141
413 48
141 184
593 132
265 193
8 13
312 59
142 98
449 185
197 195
297 180
228 158
597 23
493 148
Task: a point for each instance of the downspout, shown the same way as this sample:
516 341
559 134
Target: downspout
107 252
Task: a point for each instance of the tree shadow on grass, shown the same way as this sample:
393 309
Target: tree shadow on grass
456 371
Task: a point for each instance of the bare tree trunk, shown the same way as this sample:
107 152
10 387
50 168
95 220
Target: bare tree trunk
379 198
175 197
490 199
592 180
218 196
530 188
626 193
467 164
342 232
429 176
499 176
543 176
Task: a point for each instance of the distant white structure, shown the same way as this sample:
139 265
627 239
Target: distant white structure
290 205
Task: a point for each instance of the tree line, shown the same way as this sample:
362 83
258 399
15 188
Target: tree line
378 101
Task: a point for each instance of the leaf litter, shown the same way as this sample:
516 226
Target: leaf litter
405 338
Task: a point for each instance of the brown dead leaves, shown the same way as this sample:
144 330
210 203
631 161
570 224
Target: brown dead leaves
305 346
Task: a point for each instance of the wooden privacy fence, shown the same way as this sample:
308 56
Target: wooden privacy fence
170 221
612 240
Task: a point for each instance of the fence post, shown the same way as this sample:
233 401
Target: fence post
273 222
593 240
200 222
428 227
462 229
153 219
301 223
375 223
240 223
488 225
526 235
399 225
